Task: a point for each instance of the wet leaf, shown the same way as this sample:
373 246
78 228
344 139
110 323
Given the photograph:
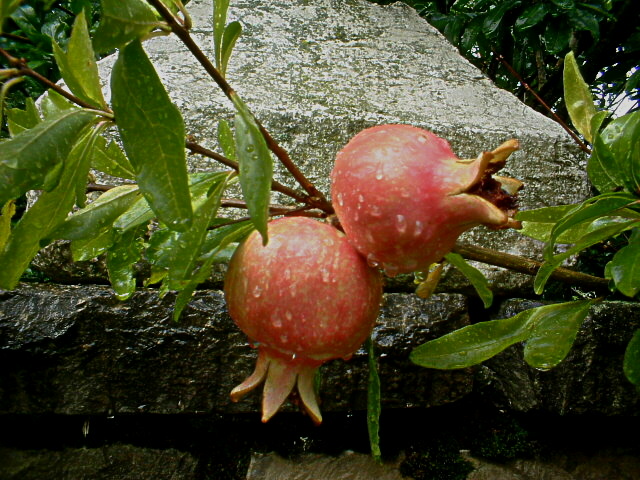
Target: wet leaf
577 97
494 18
110 159
121 258
7 7
554 332
472 344
220 8
89 248
152 131
475 277
631 362
121 22
231 34
6 214
45 215
54 104
531 16
226 141
624 268
78 65
256 167
19 120
98 215
33 159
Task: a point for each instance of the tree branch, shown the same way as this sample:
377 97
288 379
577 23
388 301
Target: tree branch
528 266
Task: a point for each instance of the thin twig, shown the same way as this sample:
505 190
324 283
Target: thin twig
528 266
555 116
275 186
23 69
315 198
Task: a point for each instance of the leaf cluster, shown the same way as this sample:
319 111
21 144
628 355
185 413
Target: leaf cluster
532 38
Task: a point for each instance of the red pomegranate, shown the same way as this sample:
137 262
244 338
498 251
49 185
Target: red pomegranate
403 197
306 297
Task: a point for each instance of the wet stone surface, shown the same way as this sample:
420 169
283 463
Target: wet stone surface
78 350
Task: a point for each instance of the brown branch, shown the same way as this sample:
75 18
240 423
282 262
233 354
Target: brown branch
529 267
315 198
555 116
275 186
20 64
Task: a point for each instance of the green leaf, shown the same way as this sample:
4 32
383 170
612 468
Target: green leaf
631 362
585 20
556 36
494 18
220 8
88 248
373 403
475 276
54 104
152 131
44 216
78 65
602 167
622 137
7 7
539 222
226 140
187 246
591 209
531 17
624 268
33 159
256 167
555 330
110 159
222 237
231 34
121 22
550 329
577 97
6 214
472 344
121 258
19 120
98 215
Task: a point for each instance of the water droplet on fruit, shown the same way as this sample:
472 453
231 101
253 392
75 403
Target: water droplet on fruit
404 193
288 315
356 216
340 200
375 211
287 273
373 261
401 223
360 198
422 139
419 228
257 291
369 237
276 322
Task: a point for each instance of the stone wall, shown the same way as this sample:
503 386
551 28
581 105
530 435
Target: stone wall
92 387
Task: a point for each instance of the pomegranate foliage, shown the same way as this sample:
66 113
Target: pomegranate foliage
304 298
403 197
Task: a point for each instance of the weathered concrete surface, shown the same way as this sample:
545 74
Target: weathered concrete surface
589 381
78 350
315 73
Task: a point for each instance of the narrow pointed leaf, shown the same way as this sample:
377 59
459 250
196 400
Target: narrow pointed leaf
98 215
577 97
373 403
475 277
256 167
554 332
220 8
226 140
543 275
602 167
472 344
33 158
631 362
6 214
123 21
78 65
152 131
44 216
231 35
53 104
92 247
121 258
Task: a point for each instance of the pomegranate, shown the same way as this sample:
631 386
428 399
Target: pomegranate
403 197
306 297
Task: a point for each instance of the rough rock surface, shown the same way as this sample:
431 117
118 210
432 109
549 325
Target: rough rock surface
78 350
589 381
316 73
